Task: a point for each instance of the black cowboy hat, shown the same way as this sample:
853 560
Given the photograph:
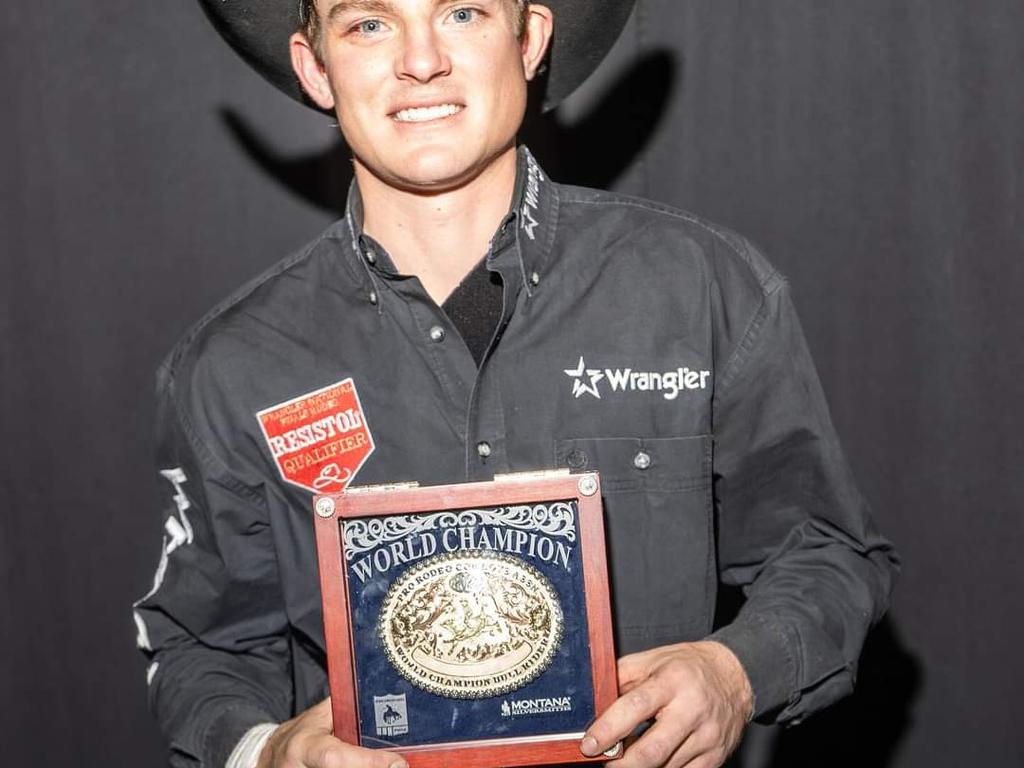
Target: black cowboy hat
259 30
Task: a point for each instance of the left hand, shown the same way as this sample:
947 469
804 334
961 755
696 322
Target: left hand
699 696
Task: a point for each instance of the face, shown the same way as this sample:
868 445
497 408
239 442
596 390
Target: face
428 93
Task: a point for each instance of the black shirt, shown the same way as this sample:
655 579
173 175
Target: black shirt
633 338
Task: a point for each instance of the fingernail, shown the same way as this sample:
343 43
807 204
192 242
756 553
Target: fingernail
588 746
399 764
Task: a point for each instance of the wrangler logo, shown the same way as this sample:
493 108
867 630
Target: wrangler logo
668 383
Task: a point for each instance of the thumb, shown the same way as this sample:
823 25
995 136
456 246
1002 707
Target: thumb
320 716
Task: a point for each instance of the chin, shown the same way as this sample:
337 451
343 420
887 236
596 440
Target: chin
435 170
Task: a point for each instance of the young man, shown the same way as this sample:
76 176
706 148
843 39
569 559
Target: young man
468 317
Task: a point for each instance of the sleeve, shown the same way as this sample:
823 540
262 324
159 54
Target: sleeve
213 625
793 530
247 752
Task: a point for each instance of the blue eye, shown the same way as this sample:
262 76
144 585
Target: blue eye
464 15
370 26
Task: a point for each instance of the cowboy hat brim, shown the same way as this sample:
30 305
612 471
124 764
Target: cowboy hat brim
258 30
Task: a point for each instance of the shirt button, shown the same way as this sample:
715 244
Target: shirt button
534 279
642 460
576 459
437 333
483 449
370 256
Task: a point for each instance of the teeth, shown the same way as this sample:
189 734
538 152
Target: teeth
422 114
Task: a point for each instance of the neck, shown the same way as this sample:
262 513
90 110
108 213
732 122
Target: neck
438 236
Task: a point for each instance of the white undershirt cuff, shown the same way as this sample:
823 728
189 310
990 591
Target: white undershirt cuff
247 751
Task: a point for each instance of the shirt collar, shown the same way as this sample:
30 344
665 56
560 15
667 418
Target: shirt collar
530 222
534 214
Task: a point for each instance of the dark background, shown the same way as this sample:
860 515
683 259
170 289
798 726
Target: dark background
875 149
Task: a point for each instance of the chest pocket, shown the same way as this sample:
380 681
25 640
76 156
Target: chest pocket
658 521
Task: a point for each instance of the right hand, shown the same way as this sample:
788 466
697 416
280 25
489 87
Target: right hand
306 741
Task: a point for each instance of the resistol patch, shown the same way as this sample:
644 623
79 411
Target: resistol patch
319 440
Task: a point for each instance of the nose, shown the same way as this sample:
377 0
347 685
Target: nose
422 57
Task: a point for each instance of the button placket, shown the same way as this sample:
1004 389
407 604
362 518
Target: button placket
452 365
485 427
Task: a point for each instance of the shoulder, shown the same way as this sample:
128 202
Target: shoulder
215 374
224 369
675 264
668 237
273 297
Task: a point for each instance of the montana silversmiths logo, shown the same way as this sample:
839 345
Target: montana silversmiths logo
540 706
668 384
391 715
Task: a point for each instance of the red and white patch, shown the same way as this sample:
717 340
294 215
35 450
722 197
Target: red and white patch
319 440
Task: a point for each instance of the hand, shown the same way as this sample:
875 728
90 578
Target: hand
306 741
699 696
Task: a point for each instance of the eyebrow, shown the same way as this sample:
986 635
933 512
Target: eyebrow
368 6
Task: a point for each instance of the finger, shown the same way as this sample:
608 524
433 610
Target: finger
705 747
633 668
626 713
657 746
696 752
627 687
711 759
691 749
329 752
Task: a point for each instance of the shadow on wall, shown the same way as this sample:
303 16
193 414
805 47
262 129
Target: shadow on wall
594 151
600 144
867 728
862 731
321 178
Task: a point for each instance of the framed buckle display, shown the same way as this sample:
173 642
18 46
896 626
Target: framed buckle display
468 624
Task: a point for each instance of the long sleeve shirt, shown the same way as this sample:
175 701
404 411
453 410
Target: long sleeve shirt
634 339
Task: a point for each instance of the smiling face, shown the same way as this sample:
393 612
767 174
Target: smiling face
428 93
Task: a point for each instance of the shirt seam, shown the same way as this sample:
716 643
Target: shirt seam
744 349
243 293
769 283
772 282
205 453
554 211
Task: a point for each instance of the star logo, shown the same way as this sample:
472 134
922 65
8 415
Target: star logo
529 223
577 373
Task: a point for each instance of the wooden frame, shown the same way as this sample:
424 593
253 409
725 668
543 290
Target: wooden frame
331 512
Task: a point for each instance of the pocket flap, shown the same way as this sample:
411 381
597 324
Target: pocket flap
640 463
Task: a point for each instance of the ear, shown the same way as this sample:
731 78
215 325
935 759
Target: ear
537 30
311 73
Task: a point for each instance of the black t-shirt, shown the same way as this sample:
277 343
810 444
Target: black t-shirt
474 307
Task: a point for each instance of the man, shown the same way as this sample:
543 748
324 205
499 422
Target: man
467 317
